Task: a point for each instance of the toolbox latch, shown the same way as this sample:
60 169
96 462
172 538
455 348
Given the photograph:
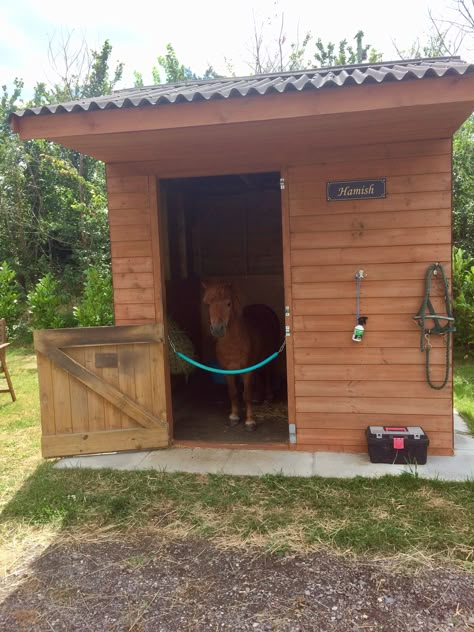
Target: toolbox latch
398 443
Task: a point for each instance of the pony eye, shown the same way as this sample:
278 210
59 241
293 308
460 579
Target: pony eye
229 304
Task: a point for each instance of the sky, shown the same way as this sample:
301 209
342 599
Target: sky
202 32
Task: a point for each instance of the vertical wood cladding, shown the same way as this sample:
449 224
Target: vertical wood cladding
342 386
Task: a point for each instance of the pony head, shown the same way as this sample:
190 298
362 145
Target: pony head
222 303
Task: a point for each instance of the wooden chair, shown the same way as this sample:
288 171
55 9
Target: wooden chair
3 363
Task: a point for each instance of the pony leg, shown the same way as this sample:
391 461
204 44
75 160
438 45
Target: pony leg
234 400
249 421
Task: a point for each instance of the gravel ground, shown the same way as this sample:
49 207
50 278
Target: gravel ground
146 585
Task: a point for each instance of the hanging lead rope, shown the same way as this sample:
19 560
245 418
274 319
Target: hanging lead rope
212 369
427 311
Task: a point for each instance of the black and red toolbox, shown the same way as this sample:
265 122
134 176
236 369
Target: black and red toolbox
397 444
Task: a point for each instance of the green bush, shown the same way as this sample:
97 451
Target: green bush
48 305
463 291
11 304
96 307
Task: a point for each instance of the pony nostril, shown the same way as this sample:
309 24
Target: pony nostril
217 330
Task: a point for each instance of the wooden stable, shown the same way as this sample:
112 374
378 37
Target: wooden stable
397 130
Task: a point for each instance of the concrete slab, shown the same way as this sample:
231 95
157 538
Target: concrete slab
449 468
463 442
115 461
341 465
191 460
258 462
459 423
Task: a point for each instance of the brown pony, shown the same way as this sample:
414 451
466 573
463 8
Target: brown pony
244 338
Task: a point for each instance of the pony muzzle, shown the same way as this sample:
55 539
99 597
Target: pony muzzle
218 330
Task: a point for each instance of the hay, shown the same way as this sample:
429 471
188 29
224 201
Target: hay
183 343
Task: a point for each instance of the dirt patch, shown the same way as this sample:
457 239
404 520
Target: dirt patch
149 585
201 411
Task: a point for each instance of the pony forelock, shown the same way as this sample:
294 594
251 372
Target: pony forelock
221 291
217 292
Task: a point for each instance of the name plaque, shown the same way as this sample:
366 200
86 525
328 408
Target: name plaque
356 190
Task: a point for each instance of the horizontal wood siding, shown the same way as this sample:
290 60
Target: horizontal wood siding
133 270
341 386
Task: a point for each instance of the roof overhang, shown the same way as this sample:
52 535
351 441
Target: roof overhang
280 124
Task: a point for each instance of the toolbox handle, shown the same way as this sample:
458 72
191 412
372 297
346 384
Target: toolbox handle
395 429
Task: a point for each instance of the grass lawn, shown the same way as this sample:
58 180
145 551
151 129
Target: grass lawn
464 392
381 517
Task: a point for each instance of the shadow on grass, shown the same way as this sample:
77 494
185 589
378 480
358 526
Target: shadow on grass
382 517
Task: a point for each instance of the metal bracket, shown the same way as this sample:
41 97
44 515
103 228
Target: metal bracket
287 330
282 184
287 310
292 429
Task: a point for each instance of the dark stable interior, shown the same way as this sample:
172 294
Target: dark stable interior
222 228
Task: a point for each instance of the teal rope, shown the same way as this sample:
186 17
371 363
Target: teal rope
212 369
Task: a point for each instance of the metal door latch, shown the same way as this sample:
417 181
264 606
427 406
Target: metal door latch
292 429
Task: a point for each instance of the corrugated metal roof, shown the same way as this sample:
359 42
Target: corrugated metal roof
274 83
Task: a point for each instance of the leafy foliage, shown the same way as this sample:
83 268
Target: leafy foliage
435 46
327 55
463 187
96 307
174 70
53 204
53 215
83 73
463 290
47 304
11 303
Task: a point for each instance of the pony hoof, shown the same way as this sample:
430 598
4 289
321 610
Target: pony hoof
234 420
250 426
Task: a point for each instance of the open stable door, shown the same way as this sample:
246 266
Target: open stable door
102 389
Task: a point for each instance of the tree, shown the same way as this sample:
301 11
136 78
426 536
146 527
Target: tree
326 54
80 72
457 28
439 44
174 70
434 47
53 213
463 187
277 54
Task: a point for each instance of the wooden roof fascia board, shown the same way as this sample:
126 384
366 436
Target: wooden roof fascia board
450 114
250 146
255 108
